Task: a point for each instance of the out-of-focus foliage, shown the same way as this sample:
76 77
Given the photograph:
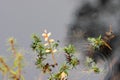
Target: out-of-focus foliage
92 65
13 72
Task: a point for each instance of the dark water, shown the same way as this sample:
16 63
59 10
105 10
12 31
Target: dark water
92 19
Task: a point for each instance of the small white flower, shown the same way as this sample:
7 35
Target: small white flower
46 44
51 40
46 35
55 50
48 51
63 76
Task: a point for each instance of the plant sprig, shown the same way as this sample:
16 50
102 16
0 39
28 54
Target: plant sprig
49 47
96 43
14 72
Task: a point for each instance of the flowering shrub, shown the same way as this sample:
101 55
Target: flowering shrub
43 48
49 47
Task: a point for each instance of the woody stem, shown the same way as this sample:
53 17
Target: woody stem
53 57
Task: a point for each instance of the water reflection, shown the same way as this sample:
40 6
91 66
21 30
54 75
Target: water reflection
92 19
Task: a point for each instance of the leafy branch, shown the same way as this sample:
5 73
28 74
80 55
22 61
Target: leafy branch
15 72
49 47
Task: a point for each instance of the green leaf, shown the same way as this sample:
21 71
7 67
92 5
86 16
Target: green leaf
96 42
69 49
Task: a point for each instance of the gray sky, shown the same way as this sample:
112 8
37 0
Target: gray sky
21 18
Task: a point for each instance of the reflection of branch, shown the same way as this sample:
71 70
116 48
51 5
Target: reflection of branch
109 35
110 28
110 31
107 45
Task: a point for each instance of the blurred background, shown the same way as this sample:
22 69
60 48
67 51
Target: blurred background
22 18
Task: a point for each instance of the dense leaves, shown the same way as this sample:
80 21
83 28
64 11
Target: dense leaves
49 47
